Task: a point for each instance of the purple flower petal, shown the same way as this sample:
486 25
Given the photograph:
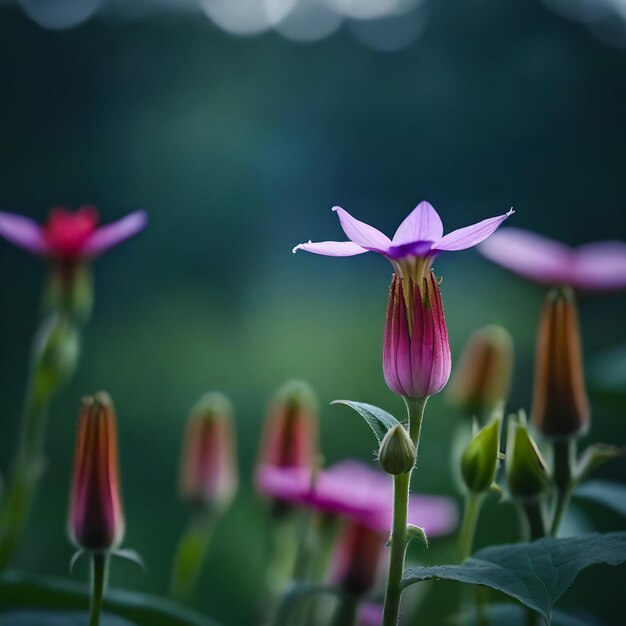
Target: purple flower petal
422 224
23 232
435 514
331 248
530 255
112 234
600 266
470 235
361 233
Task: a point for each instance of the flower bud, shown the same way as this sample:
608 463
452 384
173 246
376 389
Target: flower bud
480 459
397 452
560 405
208 470
482 378
527 473
96 519
356 558
416 352
291 428
55 354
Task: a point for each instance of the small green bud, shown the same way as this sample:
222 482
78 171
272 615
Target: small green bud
397 452
527 473
480 459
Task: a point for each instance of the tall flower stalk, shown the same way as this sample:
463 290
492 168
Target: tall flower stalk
70 241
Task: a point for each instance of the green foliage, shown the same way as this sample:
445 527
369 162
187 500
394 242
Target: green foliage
57 618
515 615
610 494
18 591
378 420
537 574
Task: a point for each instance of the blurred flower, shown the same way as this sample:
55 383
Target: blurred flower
416 352
599 266
415 245
290 430
355 490
560 405
208 469
482 378
371 614
69 236
96 519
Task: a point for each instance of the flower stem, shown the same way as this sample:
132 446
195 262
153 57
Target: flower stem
564 458
190 556
533 510
100 566
346 612
401 484
473 504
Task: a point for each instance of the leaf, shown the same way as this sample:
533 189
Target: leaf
515 615
19 590
295 595
54 618
537 574
610 494
378 420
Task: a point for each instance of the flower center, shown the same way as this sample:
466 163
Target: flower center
66 233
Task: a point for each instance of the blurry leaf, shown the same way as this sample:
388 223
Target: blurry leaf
22 591
594 457
294 596
378 420
53 618
537 574
612 495
515 615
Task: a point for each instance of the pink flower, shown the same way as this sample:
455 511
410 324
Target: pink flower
415 245
416 352
96 519
354 490
69 236
599 266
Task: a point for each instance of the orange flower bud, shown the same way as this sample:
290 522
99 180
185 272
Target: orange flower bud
560 405
96 519
208 470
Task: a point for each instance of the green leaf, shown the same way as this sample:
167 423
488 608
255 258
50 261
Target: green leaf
54 618
294 596
537 574
515 615
610 494
19 591
378 420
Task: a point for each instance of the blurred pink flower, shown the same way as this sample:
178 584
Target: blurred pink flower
355 490
598 266
69 236
420 236
371 614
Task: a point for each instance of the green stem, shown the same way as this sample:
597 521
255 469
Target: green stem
533 510
473 504
401 486
100 565
346 612
190 556
564 452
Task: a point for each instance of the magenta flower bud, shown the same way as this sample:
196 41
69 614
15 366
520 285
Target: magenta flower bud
208 470
416 353
356 558
96 519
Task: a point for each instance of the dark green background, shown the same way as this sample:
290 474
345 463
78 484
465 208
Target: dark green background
238 148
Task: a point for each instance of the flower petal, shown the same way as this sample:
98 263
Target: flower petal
422 224
112 234
331 248
23 232
361 233
600 266
530 255
470 235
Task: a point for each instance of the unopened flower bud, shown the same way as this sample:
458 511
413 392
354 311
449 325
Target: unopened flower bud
356 558
397 452
56 352
208 470
527 473
560 405
416 352
482 378
291 428
96 519
480 459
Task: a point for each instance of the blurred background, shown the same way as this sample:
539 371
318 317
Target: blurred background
238 124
